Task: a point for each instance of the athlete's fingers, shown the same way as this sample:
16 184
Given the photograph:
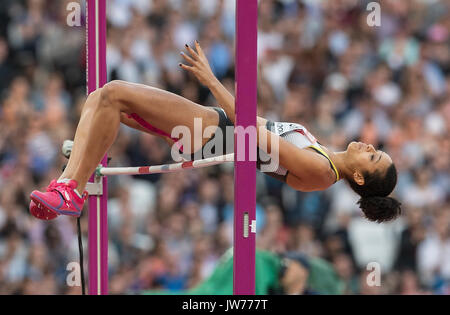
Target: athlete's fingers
194 55
187 68
199 49
187 58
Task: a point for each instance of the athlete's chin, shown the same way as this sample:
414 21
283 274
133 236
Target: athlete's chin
351 146
352 151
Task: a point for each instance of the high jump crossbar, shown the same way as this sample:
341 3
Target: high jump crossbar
245 169
166 168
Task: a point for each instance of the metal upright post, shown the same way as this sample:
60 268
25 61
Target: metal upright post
245 147
98 220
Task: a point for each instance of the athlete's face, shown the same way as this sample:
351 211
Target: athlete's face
363 158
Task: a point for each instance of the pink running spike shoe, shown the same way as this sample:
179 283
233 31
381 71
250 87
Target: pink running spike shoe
43 213
60 198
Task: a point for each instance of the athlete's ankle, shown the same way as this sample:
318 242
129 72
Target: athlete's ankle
63 180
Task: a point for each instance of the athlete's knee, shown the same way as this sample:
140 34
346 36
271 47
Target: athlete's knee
92 100
111 94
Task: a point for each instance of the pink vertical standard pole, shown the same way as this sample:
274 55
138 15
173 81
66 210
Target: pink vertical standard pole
96 78
245 168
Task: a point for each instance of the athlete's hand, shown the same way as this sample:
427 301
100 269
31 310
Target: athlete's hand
199 65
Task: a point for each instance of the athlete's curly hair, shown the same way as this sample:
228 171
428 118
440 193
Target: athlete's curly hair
374 202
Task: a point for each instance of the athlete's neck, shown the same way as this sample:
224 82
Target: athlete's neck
338 159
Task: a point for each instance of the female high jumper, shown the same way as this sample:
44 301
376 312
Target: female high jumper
305 164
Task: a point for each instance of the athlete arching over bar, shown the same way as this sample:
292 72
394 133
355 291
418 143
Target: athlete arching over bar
305 165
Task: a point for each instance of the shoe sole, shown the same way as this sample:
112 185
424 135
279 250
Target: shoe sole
42 213
38 201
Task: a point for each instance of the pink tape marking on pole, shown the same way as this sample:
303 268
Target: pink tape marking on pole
98 220
245 171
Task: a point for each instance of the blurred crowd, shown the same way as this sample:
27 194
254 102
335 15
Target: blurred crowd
320 64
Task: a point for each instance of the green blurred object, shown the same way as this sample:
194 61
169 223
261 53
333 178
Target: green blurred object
322 277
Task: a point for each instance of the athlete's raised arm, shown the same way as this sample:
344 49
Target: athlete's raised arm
199 66
307 170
